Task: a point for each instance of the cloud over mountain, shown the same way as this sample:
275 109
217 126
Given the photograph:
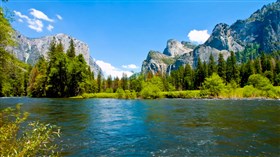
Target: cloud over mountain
36 20
198 36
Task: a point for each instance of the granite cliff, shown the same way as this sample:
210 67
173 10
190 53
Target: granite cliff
30 49
261 28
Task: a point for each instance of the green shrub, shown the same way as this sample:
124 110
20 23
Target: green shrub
120 93
130 94
182 94
212 86
150 92
36 139
109 90
274 92
260 82
250 91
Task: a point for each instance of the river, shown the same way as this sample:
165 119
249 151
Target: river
164 127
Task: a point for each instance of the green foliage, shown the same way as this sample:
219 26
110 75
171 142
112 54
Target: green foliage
13 74
222 67
71 50
200 74
150 91
6 31
213 85
62 76
38 79
232 71
182 94
260 82
212 67
97 95
35 139
250 52
120 92
250 91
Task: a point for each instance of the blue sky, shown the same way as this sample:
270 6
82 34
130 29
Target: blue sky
121 33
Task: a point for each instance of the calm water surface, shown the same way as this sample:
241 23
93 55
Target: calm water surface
166 127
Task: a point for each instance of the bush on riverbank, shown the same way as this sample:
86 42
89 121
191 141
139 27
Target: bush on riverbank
17 139
182 94
150 92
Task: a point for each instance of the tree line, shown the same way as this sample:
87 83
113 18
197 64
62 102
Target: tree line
187 78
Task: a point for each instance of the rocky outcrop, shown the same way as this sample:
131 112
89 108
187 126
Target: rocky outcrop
30 49
261 28
175 48
157 62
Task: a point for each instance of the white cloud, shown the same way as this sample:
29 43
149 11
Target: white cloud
198 36
36 25
108 69
35 21
59 17
20 20
40 15
50 27
17 13
130 66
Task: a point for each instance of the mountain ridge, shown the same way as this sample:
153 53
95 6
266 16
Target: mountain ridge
261 28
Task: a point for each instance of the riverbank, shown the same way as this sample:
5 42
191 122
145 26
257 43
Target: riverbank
238 93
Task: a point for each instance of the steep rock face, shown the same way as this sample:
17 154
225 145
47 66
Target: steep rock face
175 48
222 39
162 62
30 49
261 28
156 62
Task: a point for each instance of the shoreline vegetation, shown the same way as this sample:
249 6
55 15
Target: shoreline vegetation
239 93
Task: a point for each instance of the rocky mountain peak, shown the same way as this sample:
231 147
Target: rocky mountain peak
175 48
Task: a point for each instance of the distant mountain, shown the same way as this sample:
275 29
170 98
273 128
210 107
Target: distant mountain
261 28
30 49
163 62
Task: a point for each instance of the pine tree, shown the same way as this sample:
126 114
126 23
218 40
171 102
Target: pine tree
57 72
38 79
52 49
257 66
109 82
124 82
222 67
188 77
205 69
199 74
232 72
71 49
212 67
99 82
246 71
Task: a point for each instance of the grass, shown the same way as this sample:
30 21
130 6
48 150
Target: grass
96 95
238 93
182 94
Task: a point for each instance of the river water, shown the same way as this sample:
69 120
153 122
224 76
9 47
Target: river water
164 127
